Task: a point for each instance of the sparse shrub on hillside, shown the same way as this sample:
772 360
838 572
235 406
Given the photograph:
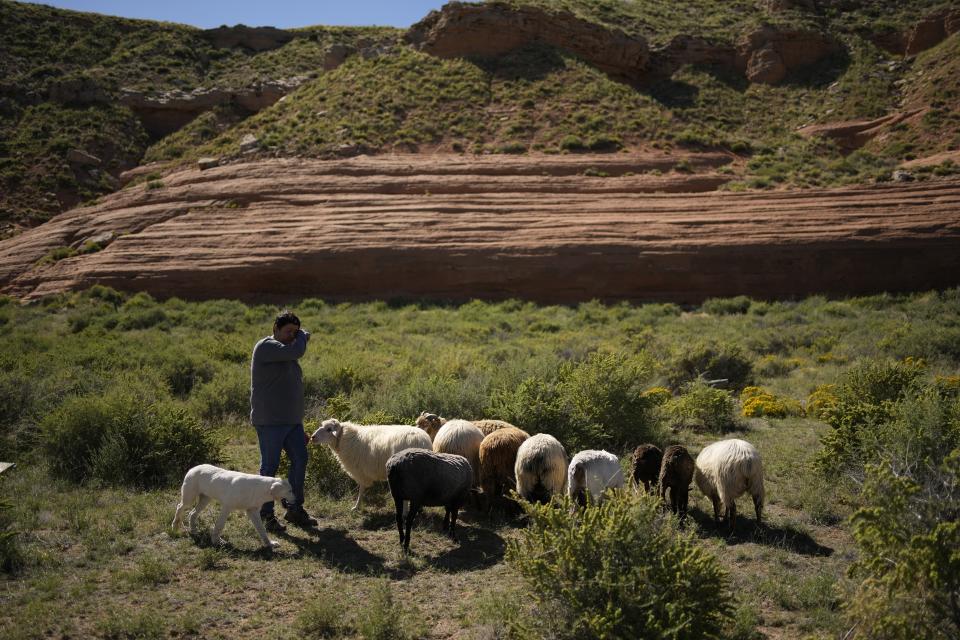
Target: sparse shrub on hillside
774 366
711 361
618 570
701 407
11 555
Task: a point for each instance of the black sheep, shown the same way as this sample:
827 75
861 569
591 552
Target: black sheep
428 479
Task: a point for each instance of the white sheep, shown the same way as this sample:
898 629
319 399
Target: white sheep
363 450
541 468
461 438
727 469
593 472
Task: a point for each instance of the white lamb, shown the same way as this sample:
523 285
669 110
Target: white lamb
726 470
462 438
541 468
593 472
363 450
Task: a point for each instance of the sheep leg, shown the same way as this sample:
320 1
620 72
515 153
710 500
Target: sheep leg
716 510
400 513
732 516
446 520
410 515
682 502
359 497
453 522
758 507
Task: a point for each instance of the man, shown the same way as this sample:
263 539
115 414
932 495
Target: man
276 411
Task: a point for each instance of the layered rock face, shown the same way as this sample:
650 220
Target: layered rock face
459 228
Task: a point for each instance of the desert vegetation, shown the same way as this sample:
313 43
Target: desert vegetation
107 398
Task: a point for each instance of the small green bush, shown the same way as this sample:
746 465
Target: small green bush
320 618
124 439
713 361
702 407
726 306
619 570
862 401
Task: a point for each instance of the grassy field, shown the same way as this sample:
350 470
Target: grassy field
96 557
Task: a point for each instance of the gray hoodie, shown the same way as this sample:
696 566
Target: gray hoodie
276 381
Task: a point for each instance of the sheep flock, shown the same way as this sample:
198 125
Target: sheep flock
491 463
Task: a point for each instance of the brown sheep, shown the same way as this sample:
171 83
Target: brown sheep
646 465
489 426
498 453
676 472
431 423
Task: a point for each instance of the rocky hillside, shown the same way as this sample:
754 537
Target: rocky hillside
580 104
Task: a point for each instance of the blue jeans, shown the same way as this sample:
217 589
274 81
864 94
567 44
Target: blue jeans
276 438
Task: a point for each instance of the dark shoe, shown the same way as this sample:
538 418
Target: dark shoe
299 517
273 525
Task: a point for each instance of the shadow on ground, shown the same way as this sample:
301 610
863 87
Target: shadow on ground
783 537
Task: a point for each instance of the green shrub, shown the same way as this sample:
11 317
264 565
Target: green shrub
726 306
619 570
863 401
908 537
320 617
712 362
125 439
603 396
225 396
701 406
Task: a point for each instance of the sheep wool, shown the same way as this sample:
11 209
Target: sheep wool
646 465
541 468
462 438
593 472
727 469
428 479
489 426
363 450
498 453
676 473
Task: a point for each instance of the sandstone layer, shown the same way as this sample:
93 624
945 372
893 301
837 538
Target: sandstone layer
455 227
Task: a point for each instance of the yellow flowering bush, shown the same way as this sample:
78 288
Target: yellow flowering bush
657 395
759 403
822 401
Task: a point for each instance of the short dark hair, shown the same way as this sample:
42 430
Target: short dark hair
284 318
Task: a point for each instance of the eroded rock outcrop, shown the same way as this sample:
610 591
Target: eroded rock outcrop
485 30
853 134
768 54
253 38
929 32
164 113
460 227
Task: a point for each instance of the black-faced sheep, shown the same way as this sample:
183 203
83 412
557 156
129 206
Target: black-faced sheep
541 468
462 438
646 465
428 479
498 454
727 469
363 450
676 473
593 472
